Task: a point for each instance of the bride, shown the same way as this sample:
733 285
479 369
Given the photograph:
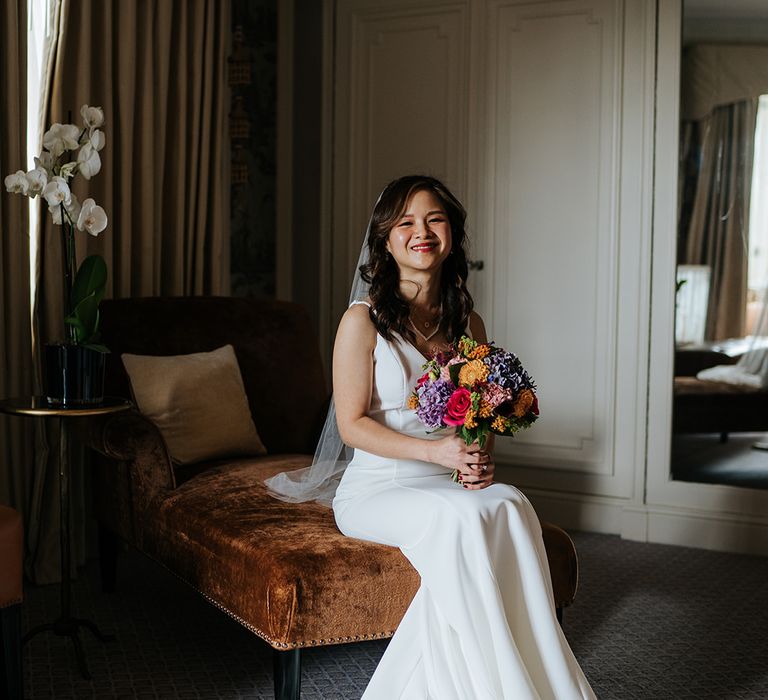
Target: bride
482 626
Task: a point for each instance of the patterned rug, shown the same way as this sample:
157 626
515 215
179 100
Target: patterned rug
650 621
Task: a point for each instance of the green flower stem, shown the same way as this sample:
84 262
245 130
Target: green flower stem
68 260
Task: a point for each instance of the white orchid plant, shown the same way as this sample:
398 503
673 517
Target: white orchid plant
50 178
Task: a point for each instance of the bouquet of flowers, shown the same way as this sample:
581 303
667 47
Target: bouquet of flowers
477 388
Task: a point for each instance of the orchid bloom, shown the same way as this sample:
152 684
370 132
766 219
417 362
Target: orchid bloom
45 161
50 176
55 213
72 209
68 169
92 116
57 192
89 161
97 139
37 179
17 183
60 138
92 218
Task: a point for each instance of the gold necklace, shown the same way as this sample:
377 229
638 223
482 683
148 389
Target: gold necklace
427 326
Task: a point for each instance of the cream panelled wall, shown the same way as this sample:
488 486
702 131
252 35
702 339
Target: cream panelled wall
553 121
539 114
402 76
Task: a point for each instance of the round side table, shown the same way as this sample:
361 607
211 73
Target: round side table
65 625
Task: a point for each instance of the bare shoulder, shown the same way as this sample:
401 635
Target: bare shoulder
356 326
477 327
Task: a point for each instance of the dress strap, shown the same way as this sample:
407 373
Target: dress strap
367 303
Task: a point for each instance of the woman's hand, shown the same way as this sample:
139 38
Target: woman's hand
475 481
475 466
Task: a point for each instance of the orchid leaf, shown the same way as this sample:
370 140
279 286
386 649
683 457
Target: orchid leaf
91 278
87 293
77 324
85 318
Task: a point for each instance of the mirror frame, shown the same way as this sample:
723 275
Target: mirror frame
736 507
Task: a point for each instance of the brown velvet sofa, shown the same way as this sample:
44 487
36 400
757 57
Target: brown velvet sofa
282 570
714 407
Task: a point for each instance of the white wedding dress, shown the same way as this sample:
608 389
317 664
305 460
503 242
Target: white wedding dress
482 625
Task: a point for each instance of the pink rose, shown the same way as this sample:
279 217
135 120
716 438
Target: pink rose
422 379
457 407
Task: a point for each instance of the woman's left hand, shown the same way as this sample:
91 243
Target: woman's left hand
479 478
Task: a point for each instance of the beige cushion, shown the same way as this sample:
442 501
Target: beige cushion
197 401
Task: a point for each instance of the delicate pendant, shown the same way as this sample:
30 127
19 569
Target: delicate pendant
425 338
426 324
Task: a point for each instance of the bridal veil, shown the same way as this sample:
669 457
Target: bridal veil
318 482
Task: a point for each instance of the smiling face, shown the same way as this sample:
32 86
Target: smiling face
420 240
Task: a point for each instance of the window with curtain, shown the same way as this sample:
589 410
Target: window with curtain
758 221
158 69
722 218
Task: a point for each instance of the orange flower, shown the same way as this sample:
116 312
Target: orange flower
472 373
499 424
413 401
479 352
469 419
485 410
523 403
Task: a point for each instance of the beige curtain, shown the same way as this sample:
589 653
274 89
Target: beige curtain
158 70
16 437
714 75
718 231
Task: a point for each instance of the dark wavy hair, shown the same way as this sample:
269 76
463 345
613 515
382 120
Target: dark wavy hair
383 275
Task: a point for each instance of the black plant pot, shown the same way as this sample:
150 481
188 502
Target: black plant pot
73 375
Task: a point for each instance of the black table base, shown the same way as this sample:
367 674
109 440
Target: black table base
65 625
69 627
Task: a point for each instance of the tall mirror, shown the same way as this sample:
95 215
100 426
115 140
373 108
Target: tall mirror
720 412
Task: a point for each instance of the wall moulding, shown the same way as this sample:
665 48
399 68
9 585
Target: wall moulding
398 67
556 138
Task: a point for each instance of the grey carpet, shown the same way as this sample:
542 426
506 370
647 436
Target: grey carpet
650 621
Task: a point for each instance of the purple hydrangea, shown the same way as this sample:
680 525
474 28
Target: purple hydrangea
433 398
507 371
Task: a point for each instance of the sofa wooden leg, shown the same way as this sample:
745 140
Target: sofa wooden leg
559 613
11 676
109 546
287 671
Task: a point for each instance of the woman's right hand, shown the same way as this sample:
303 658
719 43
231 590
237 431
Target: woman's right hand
453 453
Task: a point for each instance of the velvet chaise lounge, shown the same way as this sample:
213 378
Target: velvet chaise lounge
714 407
282 570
